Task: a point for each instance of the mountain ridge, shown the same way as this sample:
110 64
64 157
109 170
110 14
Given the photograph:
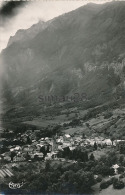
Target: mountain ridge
73 53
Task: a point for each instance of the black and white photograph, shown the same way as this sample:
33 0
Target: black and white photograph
62 97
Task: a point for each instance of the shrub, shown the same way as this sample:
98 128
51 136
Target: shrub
120 170
104 185
108 115
112 172
99 179
110 181
118 184
121 176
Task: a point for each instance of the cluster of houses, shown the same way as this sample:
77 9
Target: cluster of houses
48 148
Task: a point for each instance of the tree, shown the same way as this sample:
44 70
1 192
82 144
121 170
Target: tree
112 172
111 159
112 139
103 170
28 140
27 157
95 146
121 159
75 122
92 158
12 155
83 135
42 149
85 181
47 166
66 152
122 149
87 124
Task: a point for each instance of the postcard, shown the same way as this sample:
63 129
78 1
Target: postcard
62 97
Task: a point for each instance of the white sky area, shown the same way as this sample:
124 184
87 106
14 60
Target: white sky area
34 11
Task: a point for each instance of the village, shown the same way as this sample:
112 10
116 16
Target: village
37 149
47 148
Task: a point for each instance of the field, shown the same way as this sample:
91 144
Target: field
98 153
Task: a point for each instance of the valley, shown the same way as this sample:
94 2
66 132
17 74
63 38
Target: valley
62 104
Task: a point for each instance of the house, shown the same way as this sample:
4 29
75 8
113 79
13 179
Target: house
45 148
82 144
46 138
95 176
33 140
24 138
19 157
41 139
48 147
29 148
34 143
54 155
115 167
17 148
66 143
66 137
108 142
72 148
38 155
78 139
31 155
29 131
32 148
60 140
37 131
25 148
60 147
90 142
50 156
7 158
11 149
15 165
33 136
39 146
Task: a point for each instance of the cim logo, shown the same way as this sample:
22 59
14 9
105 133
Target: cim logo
15 185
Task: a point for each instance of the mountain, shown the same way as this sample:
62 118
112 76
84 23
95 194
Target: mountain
81 51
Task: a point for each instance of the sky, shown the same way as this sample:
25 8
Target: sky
15 16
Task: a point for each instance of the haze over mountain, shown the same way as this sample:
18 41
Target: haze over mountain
81 51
